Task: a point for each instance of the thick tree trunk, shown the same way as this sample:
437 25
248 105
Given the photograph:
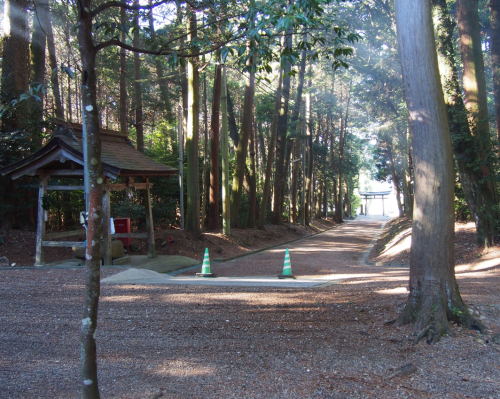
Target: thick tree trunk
241 151
480 194
192 137
15 66
280 175
213 211
270 157
88 350
434 296
139 125
495 57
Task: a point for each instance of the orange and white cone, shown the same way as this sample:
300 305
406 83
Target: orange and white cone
287 267
205 269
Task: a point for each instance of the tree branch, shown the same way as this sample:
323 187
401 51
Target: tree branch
125 5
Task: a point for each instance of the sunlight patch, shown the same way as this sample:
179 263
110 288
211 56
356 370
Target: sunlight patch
123 298
182 368
399 290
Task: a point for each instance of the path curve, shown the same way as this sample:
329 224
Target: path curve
326 258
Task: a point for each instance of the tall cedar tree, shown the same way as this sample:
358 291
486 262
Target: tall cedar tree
474 84
280 174
434 296
477 193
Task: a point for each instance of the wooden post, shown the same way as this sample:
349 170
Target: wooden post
40 226
106 226
383 207
149 223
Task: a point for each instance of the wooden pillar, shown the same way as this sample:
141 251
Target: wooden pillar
106 226
149 223
383 207
40 226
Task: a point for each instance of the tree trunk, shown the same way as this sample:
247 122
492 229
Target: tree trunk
280 175
192 136
205 152
338 204
232 126
495 57
309 155
434 296
162 83
270 157
123 75
88 351
297 148
54 70
252 180
213 211
241 151
15 66
478 195
38 46
139 125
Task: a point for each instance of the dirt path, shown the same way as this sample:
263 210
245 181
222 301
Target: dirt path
183 342
336 251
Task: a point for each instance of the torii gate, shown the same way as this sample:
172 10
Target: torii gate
374 195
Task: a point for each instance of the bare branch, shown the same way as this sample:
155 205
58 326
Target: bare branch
125 5
183 54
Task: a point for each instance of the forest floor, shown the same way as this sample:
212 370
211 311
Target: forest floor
18 246
329 341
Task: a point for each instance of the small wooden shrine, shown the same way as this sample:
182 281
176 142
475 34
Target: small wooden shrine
62 156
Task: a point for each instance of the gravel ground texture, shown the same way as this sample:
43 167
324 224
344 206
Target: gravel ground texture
240 342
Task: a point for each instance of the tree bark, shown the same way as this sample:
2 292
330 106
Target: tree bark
38 46
206 160
270 157
123 75
54 70
94 228
339 205
280 174
15 66
252 180
192 136
471 141
139 125
434 296
162 84
309 155
495 58
213 211
241 151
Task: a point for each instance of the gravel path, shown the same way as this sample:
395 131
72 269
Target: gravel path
335 252
245 342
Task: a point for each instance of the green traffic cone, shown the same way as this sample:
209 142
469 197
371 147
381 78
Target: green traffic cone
287 267
205 269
